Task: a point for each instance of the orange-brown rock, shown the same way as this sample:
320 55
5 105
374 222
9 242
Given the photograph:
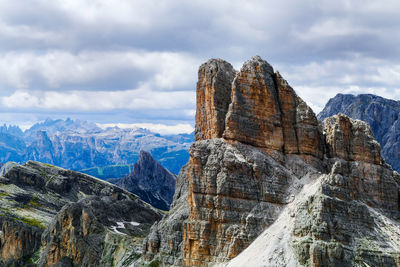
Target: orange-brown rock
241 184
213 98
254 116
351 140
18 240
301 130
266 112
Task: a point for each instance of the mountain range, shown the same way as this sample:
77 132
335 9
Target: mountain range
383 115
266 184
80 145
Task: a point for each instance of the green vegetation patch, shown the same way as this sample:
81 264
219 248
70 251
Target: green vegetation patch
32 260
35 201
32 222
3 194
155 263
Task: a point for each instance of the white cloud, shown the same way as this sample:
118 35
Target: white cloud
60 69
100 55
138 99
154 127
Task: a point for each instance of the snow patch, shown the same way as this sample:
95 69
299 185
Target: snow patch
115 230
135 223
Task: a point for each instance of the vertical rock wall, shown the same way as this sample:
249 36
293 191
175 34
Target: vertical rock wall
257 144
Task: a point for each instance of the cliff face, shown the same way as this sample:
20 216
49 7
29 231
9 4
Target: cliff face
90 232
380 113
269 164
150 181
213 98
50 216
348 216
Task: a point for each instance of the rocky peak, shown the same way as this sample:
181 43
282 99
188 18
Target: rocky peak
380 113
351 140
254 106
150 181
275 169
213 98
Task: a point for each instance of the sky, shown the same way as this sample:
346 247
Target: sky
130 62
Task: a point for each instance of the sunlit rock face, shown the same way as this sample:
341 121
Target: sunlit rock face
213 98
269 155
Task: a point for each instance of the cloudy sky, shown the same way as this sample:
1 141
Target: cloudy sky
129 62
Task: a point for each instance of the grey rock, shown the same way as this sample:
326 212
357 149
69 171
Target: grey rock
108 222
380 113
277 183
164 243
150 181
79 231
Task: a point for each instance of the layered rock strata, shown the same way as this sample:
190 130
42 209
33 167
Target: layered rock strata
213 98
346 217
266 113
245 172
81 231
380 113
84 220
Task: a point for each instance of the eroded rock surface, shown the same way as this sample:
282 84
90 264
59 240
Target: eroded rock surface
213 98
18 242
380 113
351 140
266 112
317 194
80 230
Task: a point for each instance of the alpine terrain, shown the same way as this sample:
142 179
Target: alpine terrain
383 115
55 217
267 184
83 146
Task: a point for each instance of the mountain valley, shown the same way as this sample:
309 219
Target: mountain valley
80 145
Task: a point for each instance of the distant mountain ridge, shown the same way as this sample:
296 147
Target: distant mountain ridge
78 145
383 115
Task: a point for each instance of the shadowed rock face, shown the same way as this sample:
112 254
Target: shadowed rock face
18 241
241 181
150 181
